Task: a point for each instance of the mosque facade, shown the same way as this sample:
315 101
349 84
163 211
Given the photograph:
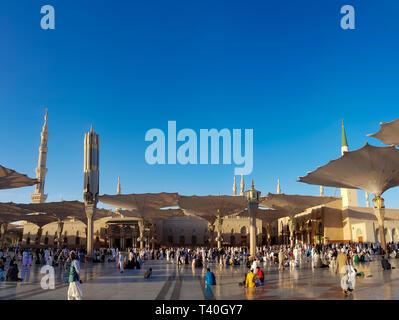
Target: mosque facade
342 220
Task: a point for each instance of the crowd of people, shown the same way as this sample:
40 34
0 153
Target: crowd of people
341 259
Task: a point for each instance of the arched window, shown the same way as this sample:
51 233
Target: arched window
232 231
243 230
46 238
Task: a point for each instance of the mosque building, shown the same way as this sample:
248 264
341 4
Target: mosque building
342 220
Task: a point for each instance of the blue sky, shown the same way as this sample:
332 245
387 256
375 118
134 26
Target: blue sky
282 68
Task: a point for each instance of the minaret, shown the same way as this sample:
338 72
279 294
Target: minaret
278 186
321 191
349 196
367 200
118 188
118 191
41 170
91 183
234 187
242 185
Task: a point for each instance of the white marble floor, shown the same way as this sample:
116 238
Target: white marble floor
104 281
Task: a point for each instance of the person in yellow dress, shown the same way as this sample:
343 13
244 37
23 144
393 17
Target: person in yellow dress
249 281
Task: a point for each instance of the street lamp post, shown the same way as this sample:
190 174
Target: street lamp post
253 197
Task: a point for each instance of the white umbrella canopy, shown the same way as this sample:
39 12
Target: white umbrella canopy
268 215
209 207
388 133
39 219
373 169
151 215
10 212
64 209
140 201
10 179
293 204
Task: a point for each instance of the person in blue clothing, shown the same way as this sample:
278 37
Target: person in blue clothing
210 278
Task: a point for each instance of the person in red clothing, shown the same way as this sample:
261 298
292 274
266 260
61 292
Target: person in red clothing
260 275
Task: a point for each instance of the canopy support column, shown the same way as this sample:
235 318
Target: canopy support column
379 211
153 240
60 227
39 235
4 227
141 237
291 225
211 228
219 239
252 208
90 212
268 234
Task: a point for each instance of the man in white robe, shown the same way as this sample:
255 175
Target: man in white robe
75 289
120 261
348 281
26 264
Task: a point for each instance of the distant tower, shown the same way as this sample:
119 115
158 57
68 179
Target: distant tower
278 186
118 188
367 200
349 196
41 170
242 185
91 167
234 187
321 191
118 191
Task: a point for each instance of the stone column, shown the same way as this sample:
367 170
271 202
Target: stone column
268 234
291 225
141 237
379 211
122 236
211 228
90 212
219 239
252 209
4 227
39 235
153 239
60 227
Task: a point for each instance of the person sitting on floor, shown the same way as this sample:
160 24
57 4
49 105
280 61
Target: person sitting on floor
249 281
210 278
148 274
12 273
260 276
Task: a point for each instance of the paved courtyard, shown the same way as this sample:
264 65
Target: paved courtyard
104 281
